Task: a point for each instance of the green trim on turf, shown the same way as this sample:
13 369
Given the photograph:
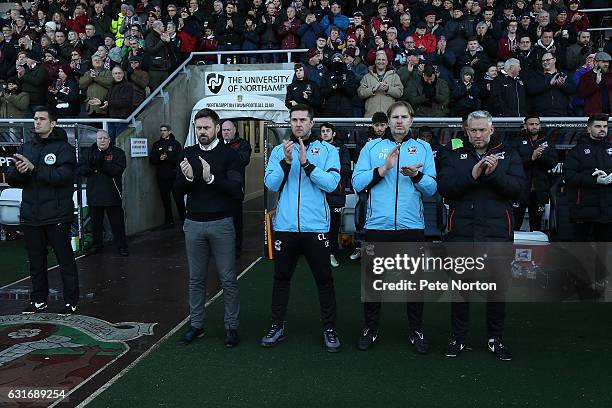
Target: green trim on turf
561 357
14 261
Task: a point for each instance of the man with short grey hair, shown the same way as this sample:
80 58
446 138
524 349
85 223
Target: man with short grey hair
479 181
508 91
157 46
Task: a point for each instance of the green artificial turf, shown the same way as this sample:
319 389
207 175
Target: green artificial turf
562 357
14 261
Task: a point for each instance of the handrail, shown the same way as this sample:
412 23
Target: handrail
599 10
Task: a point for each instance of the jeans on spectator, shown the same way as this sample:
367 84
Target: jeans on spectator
115 129
269 58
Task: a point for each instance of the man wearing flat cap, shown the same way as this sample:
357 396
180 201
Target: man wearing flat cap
34 80
595 87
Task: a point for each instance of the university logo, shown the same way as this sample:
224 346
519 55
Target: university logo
45 350
214 82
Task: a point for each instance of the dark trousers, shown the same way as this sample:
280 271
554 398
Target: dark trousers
414 310
237 218
536 212
460 318
334 228
166 190
599 233
288 246
37 239
115 218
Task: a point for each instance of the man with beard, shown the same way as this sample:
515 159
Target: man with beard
429 95
539 156
210 177
396 171
596 86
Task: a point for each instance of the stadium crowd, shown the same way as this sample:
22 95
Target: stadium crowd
101 58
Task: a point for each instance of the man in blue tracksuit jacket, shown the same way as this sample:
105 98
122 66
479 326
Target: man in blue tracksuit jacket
396 171
302 170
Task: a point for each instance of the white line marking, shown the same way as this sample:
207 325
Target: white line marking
28 277
123 372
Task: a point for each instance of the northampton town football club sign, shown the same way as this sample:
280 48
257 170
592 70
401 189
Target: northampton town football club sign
43 351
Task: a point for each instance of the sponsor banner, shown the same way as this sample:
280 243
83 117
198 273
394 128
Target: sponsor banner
269 82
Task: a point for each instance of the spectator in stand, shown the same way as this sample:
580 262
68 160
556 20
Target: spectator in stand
550 89
79 67
564 30
354 63
458 30
302 90
380 87
288 32
174 48
62 47
339 87
380 44
308 32
157 44
250 39
119 102
96 82
525 55
116 24
508 93
78 20
107 62
405 27
475 57
547 43
229 31
428 94
577 102
314 69
209 43
486 40
595 86
268 38
34 80
466 94
444 59
128 20
334 42
99 19
139 79
91 41
578 19
424 40
64 94
509 43
14 102
134 49
51 64
578 52
335 19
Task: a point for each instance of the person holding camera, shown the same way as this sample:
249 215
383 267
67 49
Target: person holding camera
550 89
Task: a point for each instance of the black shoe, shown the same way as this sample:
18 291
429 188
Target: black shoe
35 307
123 252
231 338
418 340
497 347
366 340
68 310
331 340
192 334
455 348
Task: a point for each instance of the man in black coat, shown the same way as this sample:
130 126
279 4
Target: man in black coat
44 169
103 164
243 148
509 92
480 181
539 156
157 47
588 174
165 155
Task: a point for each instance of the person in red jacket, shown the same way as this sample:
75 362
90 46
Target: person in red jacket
424 40
78 21
578 19
595 86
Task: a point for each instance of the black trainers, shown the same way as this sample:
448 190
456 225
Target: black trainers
455 348
418 340
366 340
331 340
192 334
231 338
123 252
35 307
275 334
497 347
67 310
